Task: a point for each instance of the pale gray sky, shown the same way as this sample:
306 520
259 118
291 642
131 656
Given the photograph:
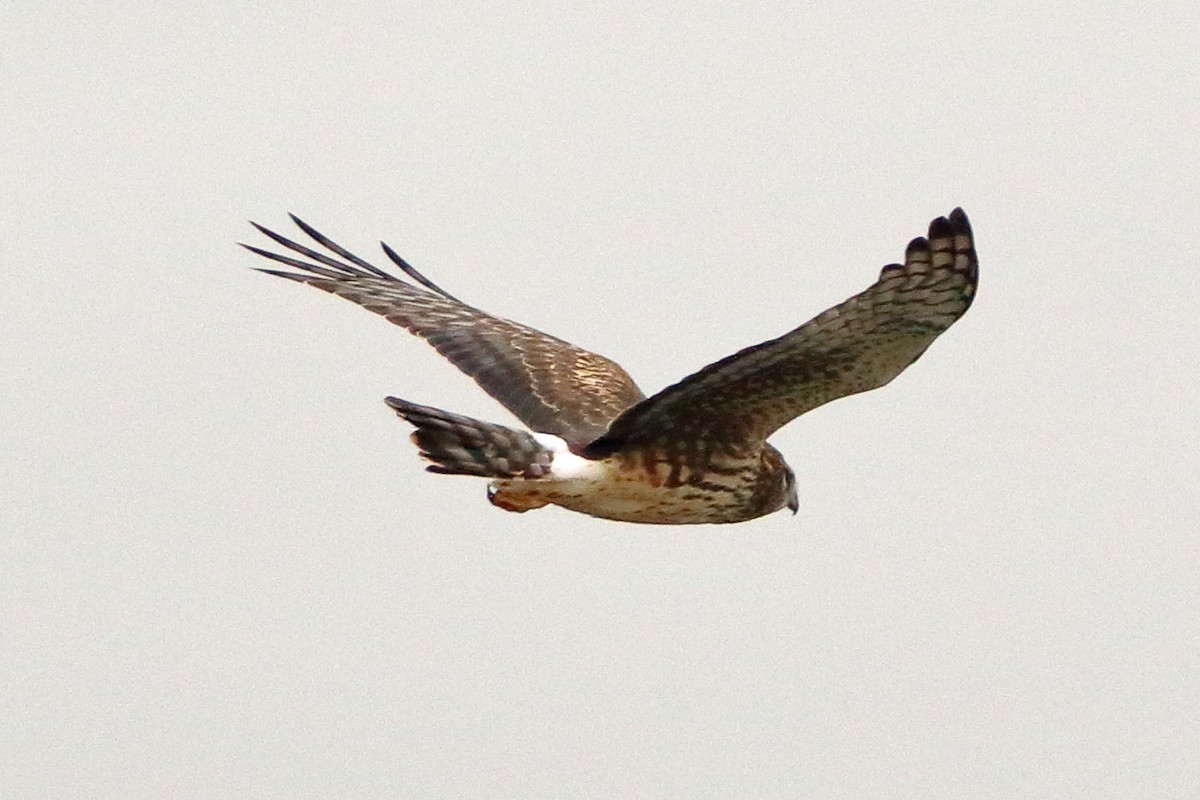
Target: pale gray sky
225 574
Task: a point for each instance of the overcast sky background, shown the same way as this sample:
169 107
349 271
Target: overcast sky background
226 575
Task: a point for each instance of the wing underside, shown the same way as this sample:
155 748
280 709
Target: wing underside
550 385
859 345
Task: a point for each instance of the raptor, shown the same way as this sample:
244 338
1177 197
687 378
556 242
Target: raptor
697 451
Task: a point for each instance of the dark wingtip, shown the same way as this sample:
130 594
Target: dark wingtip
304 226
321 238
412 272
940 227
959 219
394 256
256 250
919 243
954 223
396 259
291 276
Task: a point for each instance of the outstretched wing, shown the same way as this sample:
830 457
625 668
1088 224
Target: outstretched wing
859 345
550 385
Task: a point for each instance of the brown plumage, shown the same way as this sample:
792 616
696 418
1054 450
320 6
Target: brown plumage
694 452
550 385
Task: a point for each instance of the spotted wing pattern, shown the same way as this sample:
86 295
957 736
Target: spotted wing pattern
550 385
858 345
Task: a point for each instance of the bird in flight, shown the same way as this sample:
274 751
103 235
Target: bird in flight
697 451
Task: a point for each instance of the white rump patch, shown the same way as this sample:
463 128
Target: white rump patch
565 465
554 444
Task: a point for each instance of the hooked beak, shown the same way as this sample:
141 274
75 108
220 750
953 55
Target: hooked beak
794 504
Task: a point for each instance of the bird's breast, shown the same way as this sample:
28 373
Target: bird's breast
640 487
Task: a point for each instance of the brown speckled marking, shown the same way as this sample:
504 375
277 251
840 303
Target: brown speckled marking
738 492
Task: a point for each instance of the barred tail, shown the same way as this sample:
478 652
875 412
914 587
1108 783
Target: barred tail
458 445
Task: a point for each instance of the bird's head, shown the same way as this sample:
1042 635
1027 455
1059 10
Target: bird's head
789 488
777 482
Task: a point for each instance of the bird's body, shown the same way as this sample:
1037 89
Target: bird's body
632 488
696 452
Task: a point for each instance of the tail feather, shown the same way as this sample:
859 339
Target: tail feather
458 445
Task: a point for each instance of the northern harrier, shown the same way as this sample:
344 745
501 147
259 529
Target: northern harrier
695 452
